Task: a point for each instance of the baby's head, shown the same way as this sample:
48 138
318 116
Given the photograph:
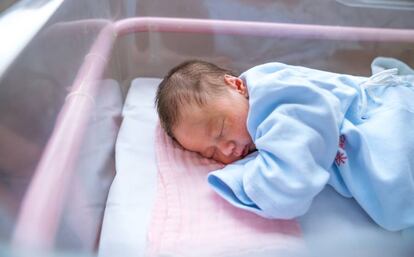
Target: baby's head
204 108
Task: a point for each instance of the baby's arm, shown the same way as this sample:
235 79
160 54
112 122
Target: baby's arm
297 143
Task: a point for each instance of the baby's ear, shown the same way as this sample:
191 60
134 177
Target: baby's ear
236 84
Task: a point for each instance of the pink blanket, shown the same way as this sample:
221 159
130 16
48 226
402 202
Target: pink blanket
189 219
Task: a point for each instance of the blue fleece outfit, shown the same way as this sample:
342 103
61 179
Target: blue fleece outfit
313 128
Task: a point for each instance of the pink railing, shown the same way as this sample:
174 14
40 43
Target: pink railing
43 204
266 29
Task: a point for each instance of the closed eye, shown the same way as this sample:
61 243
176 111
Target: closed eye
219 136
222 129
210 154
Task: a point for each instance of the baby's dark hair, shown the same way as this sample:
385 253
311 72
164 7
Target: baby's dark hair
191 82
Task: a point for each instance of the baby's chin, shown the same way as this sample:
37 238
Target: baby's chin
230 160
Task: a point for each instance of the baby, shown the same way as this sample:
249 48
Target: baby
309 127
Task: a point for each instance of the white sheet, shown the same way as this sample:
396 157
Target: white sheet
333 222
132 192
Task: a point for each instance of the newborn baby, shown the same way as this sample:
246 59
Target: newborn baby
309 128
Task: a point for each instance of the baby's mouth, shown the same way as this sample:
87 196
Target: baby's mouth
239 153
248 149
245 151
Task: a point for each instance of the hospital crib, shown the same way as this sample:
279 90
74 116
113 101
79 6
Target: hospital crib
69 68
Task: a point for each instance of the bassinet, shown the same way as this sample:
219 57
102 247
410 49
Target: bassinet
59 161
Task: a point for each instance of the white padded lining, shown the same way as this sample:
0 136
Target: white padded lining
132 192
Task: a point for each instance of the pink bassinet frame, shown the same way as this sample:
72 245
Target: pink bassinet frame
41 209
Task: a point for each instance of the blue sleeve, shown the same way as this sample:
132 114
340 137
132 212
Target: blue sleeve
296 135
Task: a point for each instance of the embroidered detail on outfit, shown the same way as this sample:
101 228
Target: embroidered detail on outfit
340 157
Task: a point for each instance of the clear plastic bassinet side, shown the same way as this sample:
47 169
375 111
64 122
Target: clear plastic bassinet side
44 45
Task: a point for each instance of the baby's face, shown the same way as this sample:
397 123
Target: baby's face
218 130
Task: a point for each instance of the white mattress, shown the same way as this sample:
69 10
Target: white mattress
132 192
333 224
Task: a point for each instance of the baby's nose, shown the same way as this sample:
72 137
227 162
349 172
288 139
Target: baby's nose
227 148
